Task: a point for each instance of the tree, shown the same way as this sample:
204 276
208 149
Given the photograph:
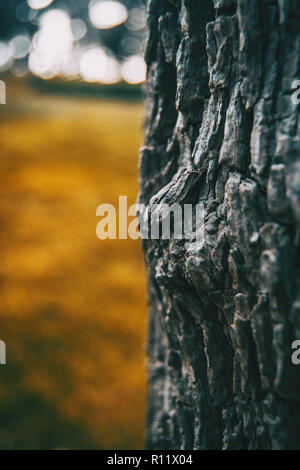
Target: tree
222 128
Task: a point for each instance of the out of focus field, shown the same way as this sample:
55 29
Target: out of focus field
72 307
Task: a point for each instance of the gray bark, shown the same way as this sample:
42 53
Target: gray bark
222 320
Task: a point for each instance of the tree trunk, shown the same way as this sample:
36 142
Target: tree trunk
223 319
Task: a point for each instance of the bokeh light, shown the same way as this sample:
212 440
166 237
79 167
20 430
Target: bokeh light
107 14
134 70
20 46
137 19
97 66
39 4
79 28
52 44
58 39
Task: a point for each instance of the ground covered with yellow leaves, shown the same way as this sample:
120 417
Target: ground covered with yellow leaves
72 307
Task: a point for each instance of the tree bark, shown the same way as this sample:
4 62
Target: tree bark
223 319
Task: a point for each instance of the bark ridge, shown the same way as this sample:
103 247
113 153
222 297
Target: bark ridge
222 320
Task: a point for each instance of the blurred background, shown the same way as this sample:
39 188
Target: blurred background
72 307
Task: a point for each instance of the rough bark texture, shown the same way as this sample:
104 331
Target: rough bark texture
222 320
